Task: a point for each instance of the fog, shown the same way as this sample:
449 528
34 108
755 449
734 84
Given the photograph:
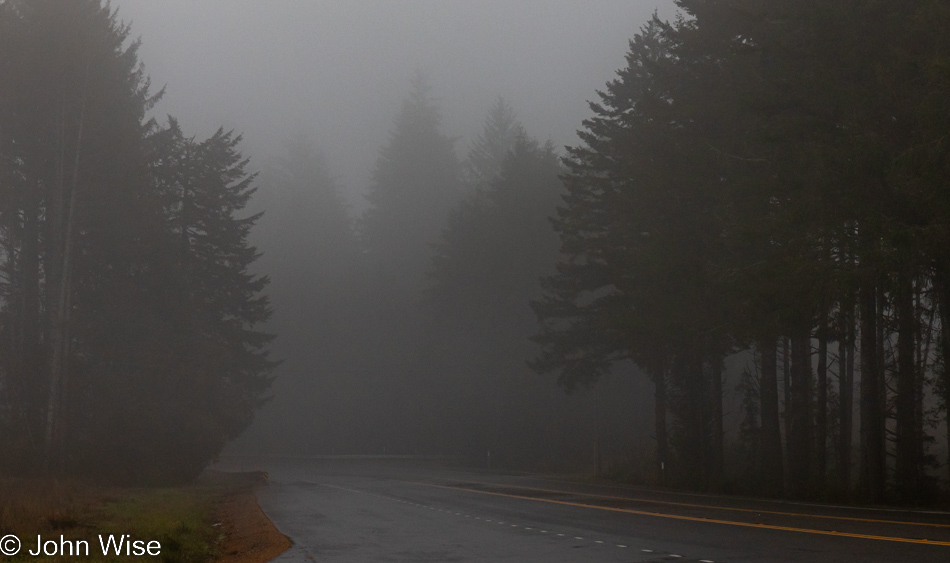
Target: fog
338 71
677 243
368 368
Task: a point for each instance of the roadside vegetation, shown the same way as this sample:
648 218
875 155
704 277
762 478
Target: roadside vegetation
186 520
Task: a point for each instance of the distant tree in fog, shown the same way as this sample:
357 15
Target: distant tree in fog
489 150
416 182
310 237
312 255
498 242
311 252
485 270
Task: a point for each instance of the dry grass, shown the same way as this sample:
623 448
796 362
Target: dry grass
36 506
186 520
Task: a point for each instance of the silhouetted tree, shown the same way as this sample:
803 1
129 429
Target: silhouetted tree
415 183
639 239
129 322
312 255
485 270
489 150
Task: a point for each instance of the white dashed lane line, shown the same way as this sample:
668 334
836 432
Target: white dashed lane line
501 523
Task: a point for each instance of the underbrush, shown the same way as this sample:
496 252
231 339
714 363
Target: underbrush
181 519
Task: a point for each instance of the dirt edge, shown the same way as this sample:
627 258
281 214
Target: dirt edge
246 534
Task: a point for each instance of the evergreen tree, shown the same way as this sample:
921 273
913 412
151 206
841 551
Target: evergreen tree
487 153
311 253
128 342
415 183
765 177
484 272
204 189
74 126
495 250
639 280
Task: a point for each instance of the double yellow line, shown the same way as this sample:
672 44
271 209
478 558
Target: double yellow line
708 520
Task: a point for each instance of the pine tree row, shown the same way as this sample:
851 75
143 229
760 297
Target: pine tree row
770 176
127 311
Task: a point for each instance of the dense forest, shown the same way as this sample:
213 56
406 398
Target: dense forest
755 218
736 279
128 348
771 177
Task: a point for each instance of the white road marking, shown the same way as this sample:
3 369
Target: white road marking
672 555
706 561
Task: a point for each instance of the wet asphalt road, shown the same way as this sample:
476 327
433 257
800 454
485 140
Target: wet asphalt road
402 510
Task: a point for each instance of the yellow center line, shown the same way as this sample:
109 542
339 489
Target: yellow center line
695 518
717 507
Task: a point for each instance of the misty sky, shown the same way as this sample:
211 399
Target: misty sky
338 71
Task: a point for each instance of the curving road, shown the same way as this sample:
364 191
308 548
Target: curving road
393 510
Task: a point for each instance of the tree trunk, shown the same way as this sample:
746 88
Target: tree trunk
53 264
908 479
924 340
846 400
701 427
60 343
30 380
786 393
60 256
692 416
716 445
942 295
771 446
801 430
659 412
872 415
821 412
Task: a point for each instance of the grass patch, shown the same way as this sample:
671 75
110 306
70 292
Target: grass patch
182 519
